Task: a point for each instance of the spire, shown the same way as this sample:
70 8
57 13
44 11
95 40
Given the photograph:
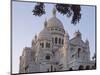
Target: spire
87 42
35 37
54 11
45 23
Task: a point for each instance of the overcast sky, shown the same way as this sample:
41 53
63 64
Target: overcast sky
25 26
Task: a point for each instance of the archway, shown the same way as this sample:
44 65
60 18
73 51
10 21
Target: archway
70 69
81 67
87 67
94 66
79 49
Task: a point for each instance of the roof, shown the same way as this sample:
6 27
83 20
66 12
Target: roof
44 34
54 22
77 41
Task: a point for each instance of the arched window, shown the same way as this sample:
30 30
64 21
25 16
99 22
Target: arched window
87 67
26 67
47 45
79 49
51 68
48 57
81 67
42 45
59 40
56 40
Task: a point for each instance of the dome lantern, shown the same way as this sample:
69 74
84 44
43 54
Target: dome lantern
54 11
45 23
77 34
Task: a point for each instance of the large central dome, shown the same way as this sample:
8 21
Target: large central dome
54 21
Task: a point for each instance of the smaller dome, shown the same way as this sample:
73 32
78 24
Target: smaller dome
44 34
86 42
77 34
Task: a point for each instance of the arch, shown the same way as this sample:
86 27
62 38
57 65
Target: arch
56 40
59 40
47 57
87 67
79 49
42 45
70 69
81 67
93 67
26 67
51 68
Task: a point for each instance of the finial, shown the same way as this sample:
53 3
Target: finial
35 36
87 41
54 11
77 34
45 23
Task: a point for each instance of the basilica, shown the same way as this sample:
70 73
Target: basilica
52 50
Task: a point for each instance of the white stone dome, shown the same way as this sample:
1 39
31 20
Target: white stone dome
44 34
54 22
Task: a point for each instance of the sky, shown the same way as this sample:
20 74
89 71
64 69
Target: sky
25 26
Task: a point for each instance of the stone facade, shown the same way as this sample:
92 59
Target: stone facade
53 50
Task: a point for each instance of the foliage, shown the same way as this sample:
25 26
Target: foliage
64 9
39 9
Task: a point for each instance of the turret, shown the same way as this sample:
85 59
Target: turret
66 40
87 48
54 12
77 34
66 49
87 42
45 23
35 37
